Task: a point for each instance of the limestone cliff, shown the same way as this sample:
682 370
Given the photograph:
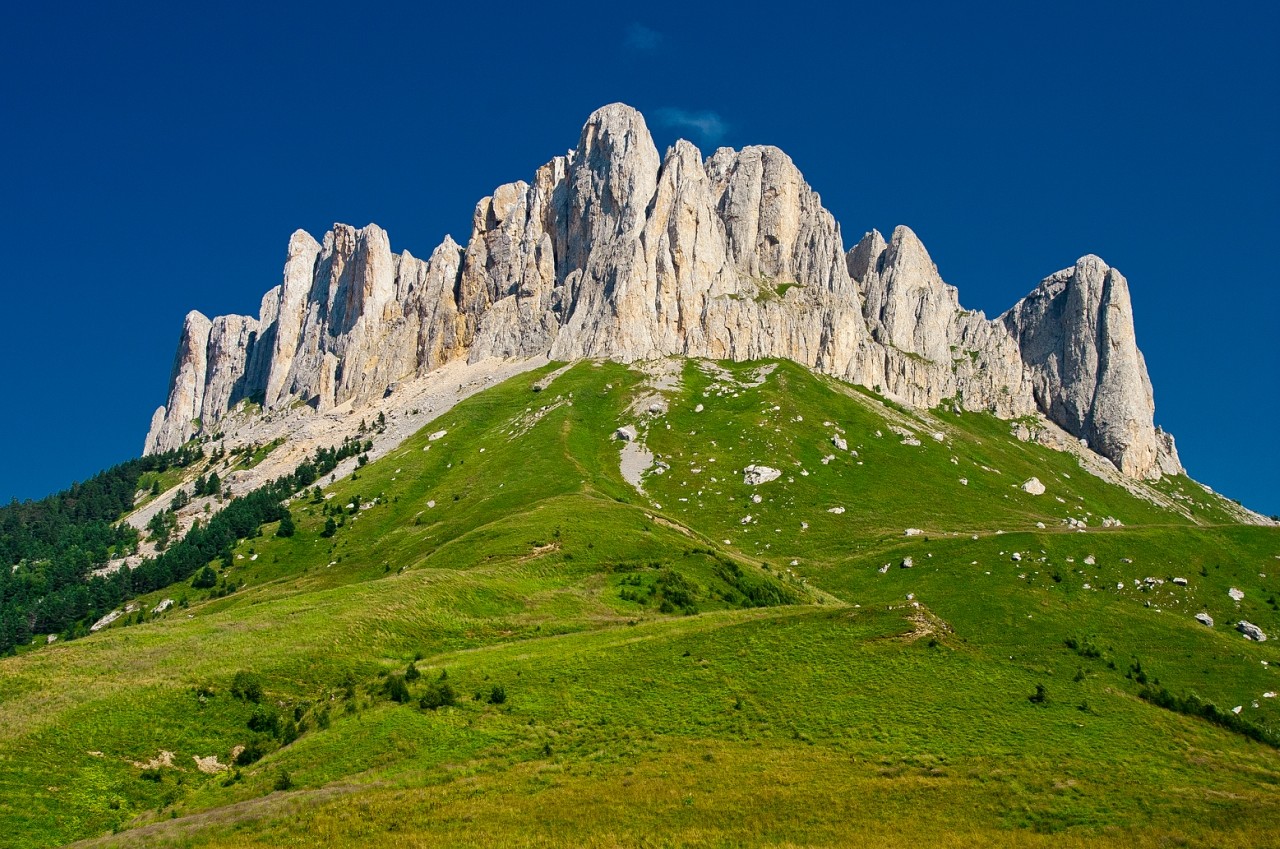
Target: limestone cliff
615 251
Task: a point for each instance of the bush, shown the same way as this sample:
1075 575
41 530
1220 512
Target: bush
253 752
439 694
397 690
411 673
264 720
247 687
330 528
497 695
1083 646
1192 705
1039 697
284 781
205 579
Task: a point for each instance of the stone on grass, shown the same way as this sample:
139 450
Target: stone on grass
1033 486
1251 631
753 475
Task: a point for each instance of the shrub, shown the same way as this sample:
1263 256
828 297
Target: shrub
246 686
1039 697
253 752
497 695
439 694
397 690
1192 705
264 720
1083 646
284 781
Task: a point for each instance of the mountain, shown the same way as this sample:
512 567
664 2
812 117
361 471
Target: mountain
615 252
653 517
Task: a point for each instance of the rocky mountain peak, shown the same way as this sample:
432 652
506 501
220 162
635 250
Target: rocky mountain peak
1076 334
612 251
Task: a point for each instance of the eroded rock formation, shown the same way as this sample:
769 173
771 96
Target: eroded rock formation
613 251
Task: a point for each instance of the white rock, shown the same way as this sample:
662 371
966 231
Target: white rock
912 532
836 510
755 475
106 620
1236 595
1205 619
1033 486
839 442
1251 631
626 433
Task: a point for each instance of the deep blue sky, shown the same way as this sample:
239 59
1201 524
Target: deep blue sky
155 160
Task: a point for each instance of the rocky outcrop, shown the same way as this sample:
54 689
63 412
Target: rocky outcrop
614 251
1076 335
929 347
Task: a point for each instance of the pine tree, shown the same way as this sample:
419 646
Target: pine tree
286 525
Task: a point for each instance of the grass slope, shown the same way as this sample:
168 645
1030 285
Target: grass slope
673 675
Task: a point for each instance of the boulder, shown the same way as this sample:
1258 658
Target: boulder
754 475
1251 631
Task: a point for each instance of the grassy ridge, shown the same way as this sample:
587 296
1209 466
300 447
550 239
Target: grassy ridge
510 553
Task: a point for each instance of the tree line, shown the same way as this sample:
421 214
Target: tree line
49 548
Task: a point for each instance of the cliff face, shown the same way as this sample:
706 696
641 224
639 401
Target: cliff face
613 251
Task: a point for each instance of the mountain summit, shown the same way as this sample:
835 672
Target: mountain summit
613 251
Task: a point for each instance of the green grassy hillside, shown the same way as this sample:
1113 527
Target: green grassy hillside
502 642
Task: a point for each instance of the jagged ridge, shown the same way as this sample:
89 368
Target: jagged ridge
614 252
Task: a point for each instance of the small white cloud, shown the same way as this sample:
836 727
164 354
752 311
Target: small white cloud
707 126
641 37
